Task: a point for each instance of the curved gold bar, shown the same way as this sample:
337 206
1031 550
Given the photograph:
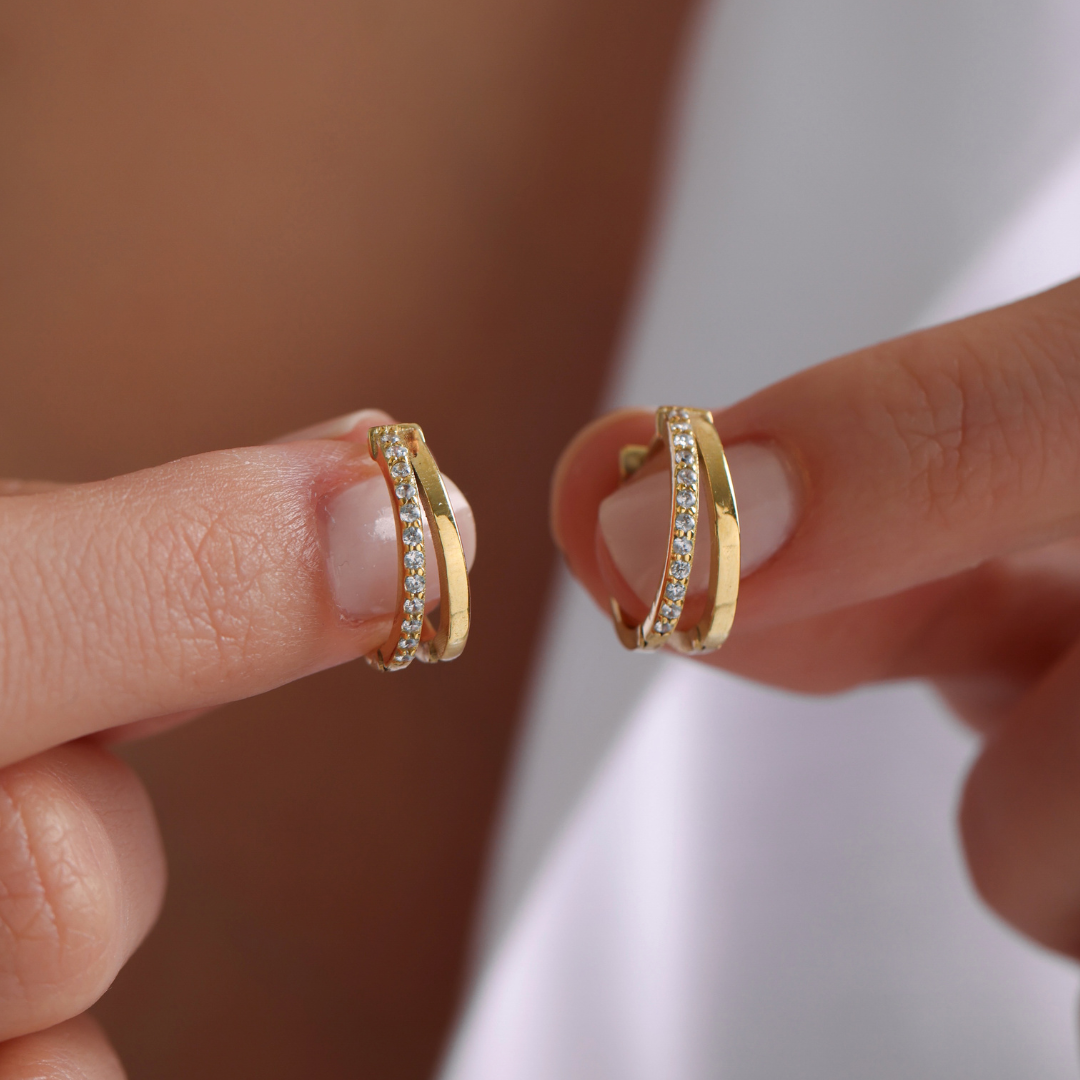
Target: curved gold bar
454 600
693 448
718 498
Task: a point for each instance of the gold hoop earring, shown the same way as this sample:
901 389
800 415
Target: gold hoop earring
695 452
417 489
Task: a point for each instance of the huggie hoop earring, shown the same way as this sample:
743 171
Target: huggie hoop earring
417 488
694 449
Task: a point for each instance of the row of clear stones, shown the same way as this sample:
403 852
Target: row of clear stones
686 500
412 536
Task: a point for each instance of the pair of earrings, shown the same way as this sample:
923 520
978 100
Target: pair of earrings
702 511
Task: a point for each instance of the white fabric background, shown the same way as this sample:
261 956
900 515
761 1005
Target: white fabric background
708 879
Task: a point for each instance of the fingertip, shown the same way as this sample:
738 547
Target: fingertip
82 879
586 473
116 797
352 427
1019 814
77 1049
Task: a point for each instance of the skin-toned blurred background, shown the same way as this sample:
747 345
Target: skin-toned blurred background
220 222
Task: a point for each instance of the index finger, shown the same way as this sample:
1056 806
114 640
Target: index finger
185 586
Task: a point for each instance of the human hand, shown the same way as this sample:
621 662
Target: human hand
126 606
910 510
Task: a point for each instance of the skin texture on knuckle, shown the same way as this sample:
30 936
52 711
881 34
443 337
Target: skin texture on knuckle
61 915
223 573
986 414
215 581
187 576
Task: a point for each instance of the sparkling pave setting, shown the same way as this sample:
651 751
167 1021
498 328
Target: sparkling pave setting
428 537
684 462
702 498
392 443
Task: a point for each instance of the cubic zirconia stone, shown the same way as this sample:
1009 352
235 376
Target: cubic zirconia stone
680 569
675 591
405 491
414 584
687 476
401 470
681 546
683 442
409 512
414 607
685 457
679 426
395 452
411 626
388 438
413 559
671 611
685 522
413 535
662 627
685 498
405 645
682 414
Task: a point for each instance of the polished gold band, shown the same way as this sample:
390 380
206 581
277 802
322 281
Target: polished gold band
694 449
417 489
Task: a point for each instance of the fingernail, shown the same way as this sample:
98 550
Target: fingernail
353 424
634 520
362 547
361 535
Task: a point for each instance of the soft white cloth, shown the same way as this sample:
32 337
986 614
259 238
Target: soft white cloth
708 879
758 886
